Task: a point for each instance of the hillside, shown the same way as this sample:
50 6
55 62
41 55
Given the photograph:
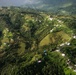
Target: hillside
36 43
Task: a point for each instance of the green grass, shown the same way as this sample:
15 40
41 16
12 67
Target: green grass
45 41
54 37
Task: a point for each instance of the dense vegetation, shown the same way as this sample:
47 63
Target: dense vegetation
36 43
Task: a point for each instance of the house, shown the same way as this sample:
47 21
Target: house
39 61
63 54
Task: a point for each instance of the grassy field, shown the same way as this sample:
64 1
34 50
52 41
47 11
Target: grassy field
54 37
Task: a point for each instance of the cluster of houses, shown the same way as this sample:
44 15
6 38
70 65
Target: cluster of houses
68 60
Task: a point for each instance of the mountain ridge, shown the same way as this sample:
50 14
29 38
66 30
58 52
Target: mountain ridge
53 6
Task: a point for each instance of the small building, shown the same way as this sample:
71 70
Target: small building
74 70
62 44
57 50
39 61
51 18
63 54
75 65
11 41
59 21
57 25
4 43
51 30
45 53
74 37
67 43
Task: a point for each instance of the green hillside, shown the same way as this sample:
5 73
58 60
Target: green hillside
36 43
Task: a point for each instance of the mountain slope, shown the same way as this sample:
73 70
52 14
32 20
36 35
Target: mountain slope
54 5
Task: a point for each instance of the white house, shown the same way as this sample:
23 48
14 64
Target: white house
63 54
39 61
57 50
74 37
51 19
